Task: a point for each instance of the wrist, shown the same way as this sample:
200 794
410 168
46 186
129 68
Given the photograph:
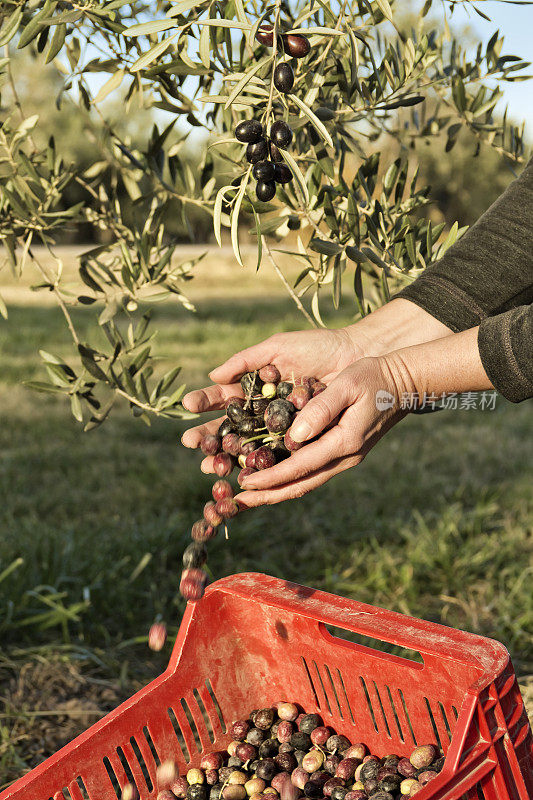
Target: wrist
396 325
451 364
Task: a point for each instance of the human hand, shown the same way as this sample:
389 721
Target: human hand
321 353
357 421
359 406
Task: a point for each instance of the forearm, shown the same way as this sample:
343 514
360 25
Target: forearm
446 365
399 323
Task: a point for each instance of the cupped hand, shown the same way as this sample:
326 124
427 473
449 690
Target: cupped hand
320 353
365 399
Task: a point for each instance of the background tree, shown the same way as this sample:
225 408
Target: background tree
375 85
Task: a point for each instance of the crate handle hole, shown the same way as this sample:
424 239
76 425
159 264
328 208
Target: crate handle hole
374 644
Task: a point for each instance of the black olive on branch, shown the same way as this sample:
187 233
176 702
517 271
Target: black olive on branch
296 45
281 134
282 174
263 170
257 151
265 190
283 78
249 130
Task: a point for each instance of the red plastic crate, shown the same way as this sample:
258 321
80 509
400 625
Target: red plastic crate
254 639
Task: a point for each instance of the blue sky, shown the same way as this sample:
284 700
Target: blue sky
515 23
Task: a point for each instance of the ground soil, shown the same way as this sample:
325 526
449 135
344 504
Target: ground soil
46 703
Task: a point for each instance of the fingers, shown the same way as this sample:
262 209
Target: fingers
212 398
193 436
245 361
302 463
207 465
296 489
321 410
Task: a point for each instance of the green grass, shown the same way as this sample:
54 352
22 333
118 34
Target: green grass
436 522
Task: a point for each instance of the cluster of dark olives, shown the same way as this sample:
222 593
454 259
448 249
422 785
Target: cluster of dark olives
263 152
281 752
253 435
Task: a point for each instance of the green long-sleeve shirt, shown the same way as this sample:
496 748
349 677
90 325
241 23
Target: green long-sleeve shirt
486 279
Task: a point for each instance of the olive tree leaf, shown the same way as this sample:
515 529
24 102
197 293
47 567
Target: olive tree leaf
145 28
246 78
154 52
217 211
11 27
235 211
225 23
109 86
315 307
183 6
203 47
259 239
320 127
58 40
325 246
296 172
386 10
75 405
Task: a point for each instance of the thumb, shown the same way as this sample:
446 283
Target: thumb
322 410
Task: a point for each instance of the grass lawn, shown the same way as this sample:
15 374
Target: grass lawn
437 521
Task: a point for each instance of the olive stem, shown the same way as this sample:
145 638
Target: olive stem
274 54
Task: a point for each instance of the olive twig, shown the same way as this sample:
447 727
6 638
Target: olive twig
274 55
286 284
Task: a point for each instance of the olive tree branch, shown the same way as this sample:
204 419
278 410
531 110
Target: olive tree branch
286 283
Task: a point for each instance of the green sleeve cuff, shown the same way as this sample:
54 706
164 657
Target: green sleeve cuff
444 300
506 349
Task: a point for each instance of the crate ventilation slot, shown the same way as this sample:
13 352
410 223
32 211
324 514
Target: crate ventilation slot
179 734
81 788
216 704
205 715
311 684
142 763
112 777
334 691
433 723
127 767
151 745
192 724
345 693
382 709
